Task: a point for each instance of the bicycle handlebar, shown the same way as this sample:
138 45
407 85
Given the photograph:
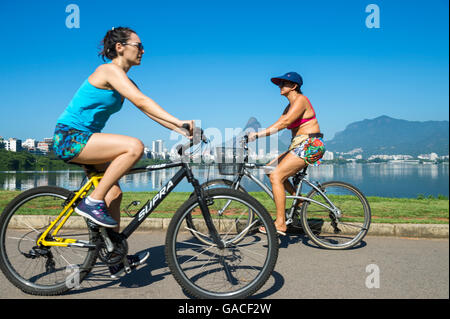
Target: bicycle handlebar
197 137
244 142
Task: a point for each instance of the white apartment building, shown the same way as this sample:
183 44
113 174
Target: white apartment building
328 156
13 144
157 146
30 143
431 156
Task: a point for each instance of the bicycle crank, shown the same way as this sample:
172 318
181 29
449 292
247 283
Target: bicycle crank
113 248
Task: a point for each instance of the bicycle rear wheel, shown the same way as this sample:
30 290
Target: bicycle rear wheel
238 270
38 269
329 231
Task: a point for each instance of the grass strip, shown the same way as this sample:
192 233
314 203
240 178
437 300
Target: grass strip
384 210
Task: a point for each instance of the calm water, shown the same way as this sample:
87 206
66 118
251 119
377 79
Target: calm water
386 180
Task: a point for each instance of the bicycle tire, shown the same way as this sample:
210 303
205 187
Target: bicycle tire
354 229
207 185
268 257
11 270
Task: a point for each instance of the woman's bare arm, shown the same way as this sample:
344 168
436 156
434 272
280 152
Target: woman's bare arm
295 111
119 80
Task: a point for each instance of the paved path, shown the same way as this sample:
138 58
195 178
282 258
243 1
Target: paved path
408 268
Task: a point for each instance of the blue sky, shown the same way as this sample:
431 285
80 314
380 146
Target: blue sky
212 61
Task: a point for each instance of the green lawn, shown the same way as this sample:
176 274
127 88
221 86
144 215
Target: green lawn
384 210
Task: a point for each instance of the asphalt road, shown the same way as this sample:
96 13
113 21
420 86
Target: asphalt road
394 268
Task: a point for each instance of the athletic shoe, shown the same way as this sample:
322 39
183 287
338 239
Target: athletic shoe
97 213
133 261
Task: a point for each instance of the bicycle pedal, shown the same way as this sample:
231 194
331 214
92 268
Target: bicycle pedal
126 265
91 224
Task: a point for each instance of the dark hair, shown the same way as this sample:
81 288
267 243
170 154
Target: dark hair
297 88
113 36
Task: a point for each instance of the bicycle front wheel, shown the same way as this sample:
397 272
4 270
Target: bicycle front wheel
38 269
217 183
343 229
239 269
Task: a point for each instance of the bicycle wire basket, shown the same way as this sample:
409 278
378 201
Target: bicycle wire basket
229 159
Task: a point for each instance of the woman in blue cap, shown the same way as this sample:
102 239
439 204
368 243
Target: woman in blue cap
307 147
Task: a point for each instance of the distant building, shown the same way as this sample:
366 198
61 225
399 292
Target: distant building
431 156
328 156
391 157
30 144
46 145
13 145
157 146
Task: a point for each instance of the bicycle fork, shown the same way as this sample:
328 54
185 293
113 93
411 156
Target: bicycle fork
203 204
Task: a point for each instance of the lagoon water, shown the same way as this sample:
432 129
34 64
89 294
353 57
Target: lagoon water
384 179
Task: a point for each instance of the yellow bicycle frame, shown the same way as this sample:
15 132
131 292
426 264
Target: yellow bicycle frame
64 216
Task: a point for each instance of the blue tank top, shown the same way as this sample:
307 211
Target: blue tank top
90 108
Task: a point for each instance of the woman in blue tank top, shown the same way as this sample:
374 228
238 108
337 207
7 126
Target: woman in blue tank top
78 137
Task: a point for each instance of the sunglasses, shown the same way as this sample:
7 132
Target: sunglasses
135 44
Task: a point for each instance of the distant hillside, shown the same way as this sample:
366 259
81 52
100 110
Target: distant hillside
386 135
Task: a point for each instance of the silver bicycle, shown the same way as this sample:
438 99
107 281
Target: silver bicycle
334 214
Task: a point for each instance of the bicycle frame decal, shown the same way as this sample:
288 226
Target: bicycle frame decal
150 206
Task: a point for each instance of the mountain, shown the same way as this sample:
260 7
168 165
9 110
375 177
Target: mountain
386 135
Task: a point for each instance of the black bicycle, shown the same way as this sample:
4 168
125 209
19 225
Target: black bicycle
334 215
41 243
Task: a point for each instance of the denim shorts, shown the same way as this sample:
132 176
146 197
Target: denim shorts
69 142
311 150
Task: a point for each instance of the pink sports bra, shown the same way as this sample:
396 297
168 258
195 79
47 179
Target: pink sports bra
300 121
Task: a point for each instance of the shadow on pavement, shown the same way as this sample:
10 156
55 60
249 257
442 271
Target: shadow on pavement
99 278
297 235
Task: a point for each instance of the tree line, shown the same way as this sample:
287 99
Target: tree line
25 161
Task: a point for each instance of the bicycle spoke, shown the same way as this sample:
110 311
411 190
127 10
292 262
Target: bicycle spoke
231 270
342 232
40 269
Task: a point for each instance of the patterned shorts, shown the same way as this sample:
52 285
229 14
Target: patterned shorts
69 142
311 150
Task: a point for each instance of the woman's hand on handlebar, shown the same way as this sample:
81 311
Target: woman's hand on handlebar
252 136
188 128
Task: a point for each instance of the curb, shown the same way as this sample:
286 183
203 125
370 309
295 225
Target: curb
395 230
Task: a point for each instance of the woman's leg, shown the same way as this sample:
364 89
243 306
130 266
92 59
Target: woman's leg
287 184
121 151
113 198
290 165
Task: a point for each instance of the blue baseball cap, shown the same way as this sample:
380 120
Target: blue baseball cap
290 76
